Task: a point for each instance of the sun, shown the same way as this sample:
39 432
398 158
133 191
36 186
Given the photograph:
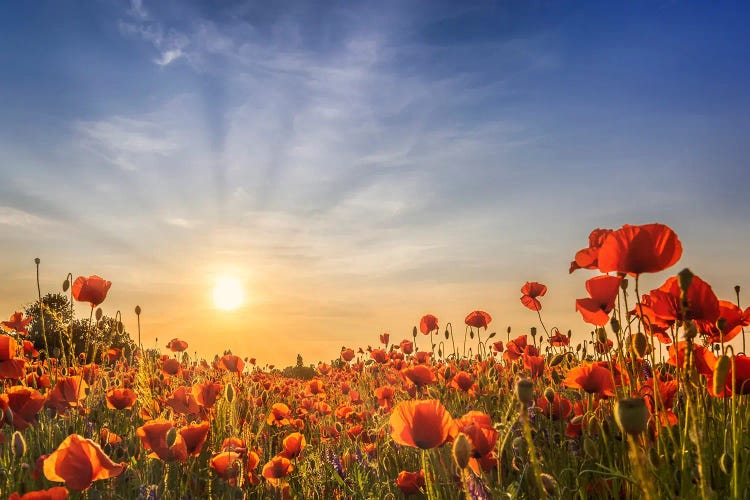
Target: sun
228 293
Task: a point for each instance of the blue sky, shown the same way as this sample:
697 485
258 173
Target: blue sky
359 165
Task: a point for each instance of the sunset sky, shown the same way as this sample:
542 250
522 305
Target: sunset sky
359 164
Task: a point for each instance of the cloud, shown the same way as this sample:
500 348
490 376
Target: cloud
14 217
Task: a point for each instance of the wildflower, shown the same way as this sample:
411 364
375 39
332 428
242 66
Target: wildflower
16 323
428 324
78 462
410 483
54 493
8 347
603 291
276 469
231 363
194 436
478 319
293 444
177 345
92 289
591 378
588 258
421 424
153 436
530 291
121 399
22 404
634 250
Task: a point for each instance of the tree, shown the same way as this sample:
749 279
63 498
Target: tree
66 334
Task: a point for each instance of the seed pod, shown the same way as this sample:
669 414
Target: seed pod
414 332
229 393
66 285
601 335
461 451
99 313
631 415
556 360
721 370
525 391
137 310
533 331
685 278
171 437
624 284
640 344
615 325
549 394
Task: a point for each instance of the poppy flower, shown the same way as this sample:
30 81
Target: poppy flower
410 483
181 400
379 355
384 338
593 379
588 258
535 365
194 436
279 415
634 250
532 290
276 469
558 339
385 395
231 363
462 381
498 346
406 346
206 393
177 345
478 319
428 323
78 462
517 347
478 428
734 319
8 347
92 289
171 366
703 306
703 359
153 436
121 399
347 354
67 393
17 324
24 404
603 291
227 465
54 493
559 408
293 444
740 377
420 375
421 424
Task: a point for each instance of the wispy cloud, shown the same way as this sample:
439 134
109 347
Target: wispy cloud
14 217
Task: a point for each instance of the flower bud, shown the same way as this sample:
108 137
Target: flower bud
99 313
525 391
549 484
137 310
18 445
624 284
37 261
685 278
556 360
414 332
640 344
549 394
631 415
229 393
601 336
615 325
721 370
171 437
533 331
66 285
461 451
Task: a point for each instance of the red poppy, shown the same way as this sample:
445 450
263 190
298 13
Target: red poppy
194 436
279 416
734 319
293 444
92 289
121 399
421 424
171 366
227 465
428 323
603 347
703 306
653 324
591 378
518 347
532 290
410 483
379 355
181 400
478 428
206 393
177 345
420 375
231 363
78 462
347 354
603 291
559 408
478 319
498 346
558 339
153 436
385 396
54 493
588 258
535 365
462 381
276 469
68 392
24 404
8 347
406 346
739 376
703 359
649 248
17 324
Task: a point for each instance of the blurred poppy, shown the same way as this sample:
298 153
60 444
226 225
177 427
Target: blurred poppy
421 424
153 436
206 393
385 395
181 400
78 462
177 345
279 415
478 319
588 258
384 338
532 290
24 404
559 408
428 323
462 381
231 363
68 392
276 469
410 483
478 428
634 250
227 465
535 365
407 346
558 339
54 493
8 347
603 291
739 375
17 324
734 319
702 304
420 375
92 289
347 354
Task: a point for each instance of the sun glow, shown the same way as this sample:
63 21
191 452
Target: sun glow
228 293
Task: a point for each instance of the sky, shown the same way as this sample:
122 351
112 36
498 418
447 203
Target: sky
359 164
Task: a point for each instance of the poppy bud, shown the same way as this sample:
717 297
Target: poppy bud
37 261
601 335
519 444
549 394
137 310
229 393
570 334
461 451
615 325
99 313
507 331
120 327
631 415
556 377
414 332
592 426
721 323
471 334
640 344
556 360
590 448
549 484
447 334
66 285
171 437
685 278
18 445
725 463
721 370
533 331
624 284
525 391
691 330
491 335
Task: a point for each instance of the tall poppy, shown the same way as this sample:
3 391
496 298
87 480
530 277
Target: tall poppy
532 290
634 250
153 436
293 444
702 304
24 403
603 291
421 375
78 462
421 424
734 319
92 289
194 436
478 319
231 363
177 345
276 469
588 258
16 323
428 323
478 428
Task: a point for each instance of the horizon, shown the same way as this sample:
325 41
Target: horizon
354 169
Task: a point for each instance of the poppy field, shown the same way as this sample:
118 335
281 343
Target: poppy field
652 403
